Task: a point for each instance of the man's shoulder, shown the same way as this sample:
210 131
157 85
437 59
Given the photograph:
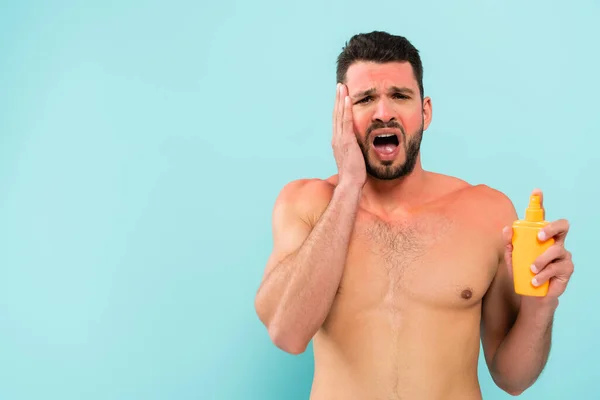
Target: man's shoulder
304 189
306 196
492 197
490 202
468 190
481 198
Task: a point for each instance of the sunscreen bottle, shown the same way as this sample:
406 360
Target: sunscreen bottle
527 247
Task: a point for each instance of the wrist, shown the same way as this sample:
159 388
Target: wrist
541 307
349 188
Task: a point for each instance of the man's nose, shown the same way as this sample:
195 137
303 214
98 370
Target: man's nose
383 112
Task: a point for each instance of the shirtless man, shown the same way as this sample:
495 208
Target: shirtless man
397 273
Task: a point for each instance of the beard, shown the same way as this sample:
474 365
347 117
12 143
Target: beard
386 170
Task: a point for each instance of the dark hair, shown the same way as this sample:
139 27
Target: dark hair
379 47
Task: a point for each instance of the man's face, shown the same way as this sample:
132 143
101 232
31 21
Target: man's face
389 116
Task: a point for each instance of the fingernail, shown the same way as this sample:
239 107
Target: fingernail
534 269
541 235
534 282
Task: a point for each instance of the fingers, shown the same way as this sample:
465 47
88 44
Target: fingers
557 230
508 248
336 113
343 122
559 271
340 126
341 94
507 234
348 121
554 253
555 263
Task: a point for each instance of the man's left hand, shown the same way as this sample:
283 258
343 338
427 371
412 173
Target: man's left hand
555 264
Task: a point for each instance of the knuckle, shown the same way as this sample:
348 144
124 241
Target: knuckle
558 251
548 268
570 260
561 224
564 267
547 273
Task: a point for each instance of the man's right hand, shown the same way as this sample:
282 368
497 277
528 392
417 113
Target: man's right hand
347 153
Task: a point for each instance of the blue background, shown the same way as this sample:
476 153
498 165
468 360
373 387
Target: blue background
142 145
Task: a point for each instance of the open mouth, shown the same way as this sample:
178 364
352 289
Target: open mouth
386 143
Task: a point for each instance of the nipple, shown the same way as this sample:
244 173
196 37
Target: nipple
534 212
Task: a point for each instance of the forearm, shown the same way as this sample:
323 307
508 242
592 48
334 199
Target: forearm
523 354
298 293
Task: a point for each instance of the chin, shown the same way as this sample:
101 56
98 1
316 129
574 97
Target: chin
387 171
390 169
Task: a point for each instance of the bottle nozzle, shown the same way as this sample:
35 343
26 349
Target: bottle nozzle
534 201
534 212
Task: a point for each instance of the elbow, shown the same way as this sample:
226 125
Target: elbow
507 383
508 387
289 342
283 336
261 311
511 390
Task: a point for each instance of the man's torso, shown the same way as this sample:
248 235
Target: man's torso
405 321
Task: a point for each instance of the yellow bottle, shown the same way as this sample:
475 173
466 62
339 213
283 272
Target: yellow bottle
527 247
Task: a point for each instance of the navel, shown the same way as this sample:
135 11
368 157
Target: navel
466 294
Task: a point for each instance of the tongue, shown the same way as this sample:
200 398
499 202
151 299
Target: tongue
385 148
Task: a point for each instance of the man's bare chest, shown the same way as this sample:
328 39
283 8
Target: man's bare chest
433 259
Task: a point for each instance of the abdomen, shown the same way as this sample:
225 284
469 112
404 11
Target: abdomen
399 354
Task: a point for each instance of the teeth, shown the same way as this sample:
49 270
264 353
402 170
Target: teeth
386 135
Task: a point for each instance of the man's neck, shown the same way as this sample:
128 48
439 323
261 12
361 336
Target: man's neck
385 197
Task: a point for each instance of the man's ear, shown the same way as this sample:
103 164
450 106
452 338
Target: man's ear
427 112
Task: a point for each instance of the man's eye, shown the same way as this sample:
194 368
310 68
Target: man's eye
400 96
363 100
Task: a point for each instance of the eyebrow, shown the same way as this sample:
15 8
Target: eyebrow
393 89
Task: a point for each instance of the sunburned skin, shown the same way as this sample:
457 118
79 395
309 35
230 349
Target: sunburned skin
397 274
405 320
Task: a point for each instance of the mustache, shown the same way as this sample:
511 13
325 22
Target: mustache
381 125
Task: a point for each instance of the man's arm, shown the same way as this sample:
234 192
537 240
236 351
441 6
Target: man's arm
516 334
304 270
517 330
